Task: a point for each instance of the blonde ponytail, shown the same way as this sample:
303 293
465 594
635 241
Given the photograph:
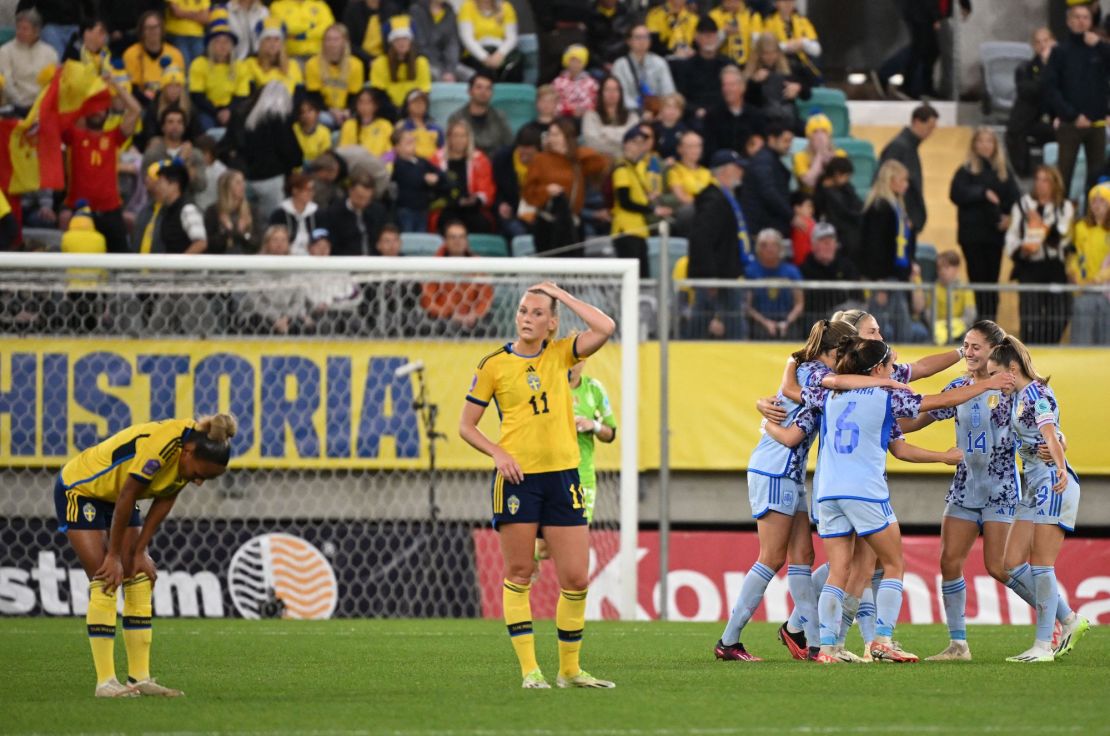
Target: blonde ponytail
218 427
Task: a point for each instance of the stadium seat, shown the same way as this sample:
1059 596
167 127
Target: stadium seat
7 33
862 155
529 46
831 102
491 246
516 101
679 247
446 97
420 244
927 260
1000 60
524 245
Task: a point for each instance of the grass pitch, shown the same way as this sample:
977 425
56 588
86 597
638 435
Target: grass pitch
460 677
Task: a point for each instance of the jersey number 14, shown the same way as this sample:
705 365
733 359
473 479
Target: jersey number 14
978 444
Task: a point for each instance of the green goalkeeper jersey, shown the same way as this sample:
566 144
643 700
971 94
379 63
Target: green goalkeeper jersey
592 402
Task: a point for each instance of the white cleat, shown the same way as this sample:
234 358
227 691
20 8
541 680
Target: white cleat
584 679
1071 633
957 651
115 689
150 687
535 680
846 655
1035 653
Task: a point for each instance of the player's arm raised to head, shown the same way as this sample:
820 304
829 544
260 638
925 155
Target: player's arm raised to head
956 396
933 364
476 438
599 326
913 454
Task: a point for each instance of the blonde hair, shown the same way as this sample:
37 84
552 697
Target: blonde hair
851 316
974 162
1059 194
218 427
224 203
754 64
882 188
345 62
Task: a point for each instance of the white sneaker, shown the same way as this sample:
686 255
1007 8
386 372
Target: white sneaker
1035 653
115 689
583 679
956 651
535 680
150 687
846 655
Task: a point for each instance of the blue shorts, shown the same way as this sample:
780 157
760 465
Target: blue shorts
547 499
1040 505
1003 514
839 517
75 511
783 495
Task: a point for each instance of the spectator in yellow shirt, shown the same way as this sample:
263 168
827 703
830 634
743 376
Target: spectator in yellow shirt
739 26
686 178
633 201
951 317
810 162
401 69
488 31
185 22
313 137
365 128
672 26
335 75
305 22
414 117
146 59
797 38
1089 265
271 64
212 77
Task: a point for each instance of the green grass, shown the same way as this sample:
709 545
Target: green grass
460 677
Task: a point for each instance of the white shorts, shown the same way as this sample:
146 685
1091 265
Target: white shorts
1040 505
840 517
1003 514
784 495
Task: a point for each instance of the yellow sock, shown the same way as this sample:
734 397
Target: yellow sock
137 632
100 620
518 620
570 619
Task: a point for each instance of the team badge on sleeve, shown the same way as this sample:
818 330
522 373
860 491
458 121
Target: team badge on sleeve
1042 406
152 466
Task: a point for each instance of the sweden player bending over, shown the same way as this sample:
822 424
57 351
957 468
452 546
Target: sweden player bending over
151 460
536 488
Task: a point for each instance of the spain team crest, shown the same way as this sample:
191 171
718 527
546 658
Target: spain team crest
89 511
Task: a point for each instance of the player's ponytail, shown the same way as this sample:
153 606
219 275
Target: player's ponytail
860 356
211 438
825 335
990 330
1012 350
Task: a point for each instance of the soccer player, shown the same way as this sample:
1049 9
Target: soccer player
153 460
536 488
1048 507
850 490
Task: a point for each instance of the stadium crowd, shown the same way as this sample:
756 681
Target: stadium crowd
308 127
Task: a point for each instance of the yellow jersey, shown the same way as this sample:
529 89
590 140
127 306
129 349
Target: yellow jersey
675 30
305 22
373 137
398 88
489 30
738 31
180 26
692 180
534 402
145 71
1090 263
628 175
217 82
147 452
329 80
803 159
797 27
251 73
315 143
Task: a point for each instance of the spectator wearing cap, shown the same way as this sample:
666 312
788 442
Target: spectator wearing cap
246 20
575 87
730 123
149 58
490 128
837 202
180 226
212 76
698 77
488 31
773 311
827 262
766 192
414 118
773 87
510 169
22 60
356 221
437 36
739 26
305 22
603 128
720 248
401 69
633 201
797 37
903 148
334 75
185 22
298 213
644 77
810 162
230 222
672 26
417 183
271 64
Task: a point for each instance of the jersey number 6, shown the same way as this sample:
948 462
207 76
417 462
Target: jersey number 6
847 433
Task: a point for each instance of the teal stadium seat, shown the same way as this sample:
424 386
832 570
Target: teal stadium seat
523 245
420 244
490 246
7 33
927 260
862 155
529 46
516 101
679 247
833 103
445 98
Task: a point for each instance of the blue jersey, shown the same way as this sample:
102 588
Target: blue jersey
776 460
988 474
857 427
1035 407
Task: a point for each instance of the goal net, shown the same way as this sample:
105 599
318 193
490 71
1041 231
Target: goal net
349 492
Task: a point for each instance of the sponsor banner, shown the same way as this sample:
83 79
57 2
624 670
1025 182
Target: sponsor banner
707 570
214 568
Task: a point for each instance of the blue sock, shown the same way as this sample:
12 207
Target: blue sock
954 593
847 617
829 608
1021 582
804 616
888 604
1048 597
865 616
751 594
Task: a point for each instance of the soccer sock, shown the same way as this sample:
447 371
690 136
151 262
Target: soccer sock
876 579
954 593
829 608
518 620
1021 582
804 616
888 604
570 619
1048 596
847 616
865 616
820 576
137 631
751 593
100 620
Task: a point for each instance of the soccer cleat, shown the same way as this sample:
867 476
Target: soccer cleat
867 658
795 643
1057 632
115 689
888 652
811 654
826 658
151 687
734 652
1072 633
584 679
1033 654
535 680
846 655
957 651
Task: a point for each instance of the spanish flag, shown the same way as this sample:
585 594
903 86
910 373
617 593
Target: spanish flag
31 149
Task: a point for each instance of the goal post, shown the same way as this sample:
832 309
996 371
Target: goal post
57 311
